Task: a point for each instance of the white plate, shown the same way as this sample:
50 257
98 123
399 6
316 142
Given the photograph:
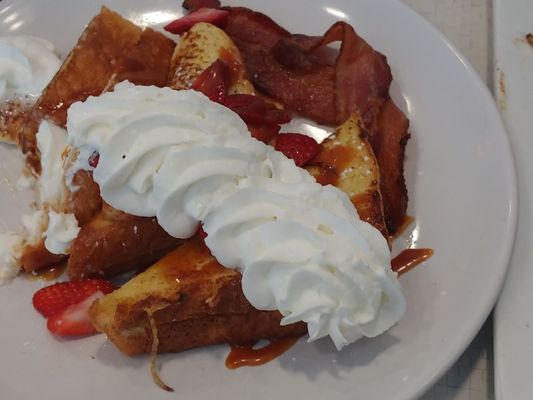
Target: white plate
513 321
462 194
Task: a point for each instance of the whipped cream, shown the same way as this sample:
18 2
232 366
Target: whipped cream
57 229
11 245
26 181
34 225
27 64
300 246
61 232
52 142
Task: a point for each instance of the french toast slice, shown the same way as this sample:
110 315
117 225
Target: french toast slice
194 302
111 49
126 242
200 47
346 160
114 242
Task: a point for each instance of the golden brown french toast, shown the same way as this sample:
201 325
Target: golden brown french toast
114 242
110 50
200 47
346 160
125 242
194 302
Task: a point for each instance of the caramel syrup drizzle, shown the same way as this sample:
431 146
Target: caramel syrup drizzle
48 274
408 259
248 355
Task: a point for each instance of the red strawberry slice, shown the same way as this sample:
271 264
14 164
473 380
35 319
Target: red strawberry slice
255 110
53 299
211 15
202 234
299 147
74 320
93 159
214 81
193 5
263 132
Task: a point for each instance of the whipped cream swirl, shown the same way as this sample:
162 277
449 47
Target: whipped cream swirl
10 252
27 64
300 246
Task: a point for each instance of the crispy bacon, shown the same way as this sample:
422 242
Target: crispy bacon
263 132
255 110
305 75
389 148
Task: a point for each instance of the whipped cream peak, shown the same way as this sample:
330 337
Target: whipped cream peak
52 143
27 64
61 231
11 245
300 246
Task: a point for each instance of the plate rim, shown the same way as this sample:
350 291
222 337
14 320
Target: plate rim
513 206
512 216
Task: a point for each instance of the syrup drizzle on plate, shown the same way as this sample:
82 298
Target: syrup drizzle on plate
408 259
48 274
249 355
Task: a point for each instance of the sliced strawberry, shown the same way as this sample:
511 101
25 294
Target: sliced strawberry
211 15
74 320
263 132
193 5
202 234
93 159
53 299
299 147
255 110
214 81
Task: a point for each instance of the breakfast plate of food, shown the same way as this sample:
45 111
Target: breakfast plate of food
224 200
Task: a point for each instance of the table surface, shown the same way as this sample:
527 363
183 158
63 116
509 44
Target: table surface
468 25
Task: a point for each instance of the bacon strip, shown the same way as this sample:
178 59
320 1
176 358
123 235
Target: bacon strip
299 70
309 94
389 148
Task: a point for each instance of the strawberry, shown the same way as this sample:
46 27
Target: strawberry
202 234
214 81
263 132
55 298
211 15
74 320
193 5
299 147
93 159
255 110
